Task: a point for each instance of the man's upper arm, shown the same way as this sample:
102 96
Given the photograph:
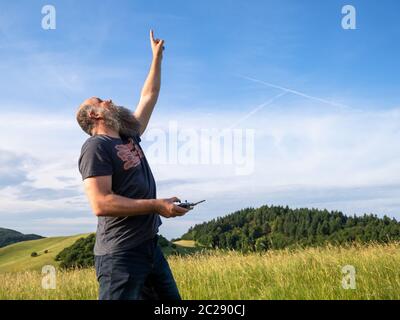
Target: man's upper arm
96 168
97 188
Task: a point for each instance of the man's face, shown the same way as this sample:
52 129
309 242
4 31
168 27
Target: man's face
117 118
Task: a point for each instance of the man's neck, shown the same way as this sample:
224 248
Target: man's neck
105 131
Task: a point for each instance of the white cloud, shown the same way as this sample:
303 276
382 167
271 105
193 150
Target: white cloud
302 159
67 221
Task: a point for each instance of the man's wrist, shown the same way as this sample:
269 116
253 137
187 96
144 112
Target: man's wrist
157 58
155 205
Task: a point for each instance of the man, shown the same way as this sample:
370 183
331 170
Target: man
122 194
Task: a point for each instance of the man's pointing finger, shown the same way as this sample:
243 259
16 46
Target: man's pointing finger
152 35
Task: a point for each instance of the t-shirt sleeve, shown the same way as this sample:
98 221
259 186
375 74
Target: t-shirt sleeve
95 160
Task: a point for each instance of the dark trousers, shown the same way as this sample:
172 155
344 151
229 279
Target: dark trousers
140 273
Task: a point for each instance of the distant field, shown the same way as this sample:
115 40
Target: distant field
17 257
186 243
313 273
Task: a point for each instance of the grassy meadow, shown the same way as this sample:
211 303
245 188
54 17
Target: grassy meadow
17 256
312 273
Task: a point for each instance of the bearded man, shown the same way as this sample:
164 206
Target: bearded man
122 193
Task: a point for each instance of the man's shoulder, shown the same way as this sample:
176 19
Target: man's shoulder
95 142
135 137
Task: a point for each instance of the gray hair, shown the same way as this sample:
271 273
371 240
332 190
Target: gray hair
85 121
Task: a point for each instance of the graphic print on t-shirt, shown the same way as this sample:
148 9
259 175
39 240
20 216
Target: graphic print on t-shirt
130 154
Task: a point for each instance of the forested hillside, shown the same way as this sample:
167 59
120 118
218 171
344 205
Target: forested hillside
8 236
279 227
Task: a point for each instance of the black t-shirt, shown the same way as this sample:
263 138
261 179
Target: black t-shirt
123 159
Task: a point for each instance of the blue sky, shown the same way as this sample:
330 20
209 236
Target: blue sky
220 57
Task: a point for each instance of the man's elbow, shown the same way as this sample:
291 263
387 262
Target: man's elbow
99 209
98 213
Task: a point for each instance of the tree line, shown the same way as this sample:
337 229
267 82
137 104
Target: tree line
264 228
277 227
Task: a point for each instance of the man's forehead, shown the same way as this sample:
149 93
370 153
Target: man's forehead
94 100
91 101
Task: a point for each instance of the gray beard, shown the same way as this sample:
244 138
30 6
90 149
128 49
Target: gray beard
122 120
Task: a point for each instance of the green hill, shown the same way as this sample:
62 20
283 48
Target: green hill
8 236
17 256
277 227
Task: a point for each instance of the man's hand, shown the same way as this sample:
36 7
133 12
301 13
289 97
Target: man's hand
157 45
167 208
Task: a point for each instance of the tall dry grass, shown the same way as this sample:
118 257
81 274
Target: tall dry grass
312 273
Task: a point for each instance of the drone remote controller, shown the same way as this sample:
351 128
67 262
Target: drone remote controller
189 205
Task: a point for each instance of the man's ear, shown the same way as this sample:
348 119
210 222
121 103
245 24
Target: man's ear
94 115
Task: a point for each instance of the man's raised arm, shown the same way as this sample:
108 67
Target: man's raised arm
151 88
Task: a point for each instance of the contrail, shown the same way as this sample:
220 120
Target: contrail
259 107
298 93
